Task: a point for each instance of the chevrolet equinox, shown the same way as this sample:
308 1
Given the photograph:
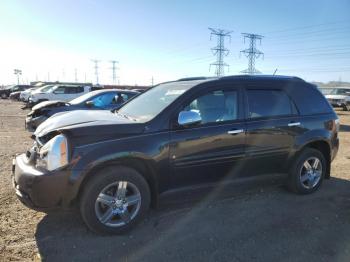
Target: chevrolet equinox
178 136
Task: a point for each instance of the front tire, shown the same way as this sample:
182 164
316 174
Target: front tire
307 171
114 200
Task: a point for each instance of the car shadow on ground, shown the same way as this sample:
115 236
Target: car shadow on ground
266 223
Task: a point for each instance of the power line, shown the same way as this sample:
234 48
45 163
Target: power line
308 26
252 53
95 61
220 51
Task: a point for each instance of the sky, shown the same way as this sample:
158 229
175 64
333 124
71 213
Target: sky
164 40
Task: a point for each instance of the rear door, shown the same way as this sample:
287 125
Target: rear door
211 150
272 126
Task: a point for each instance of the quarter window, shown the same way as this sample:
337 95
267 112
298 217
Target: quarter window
216 106
268 103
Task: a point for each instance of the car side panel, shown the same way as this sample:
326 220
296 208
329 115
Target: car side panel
151 148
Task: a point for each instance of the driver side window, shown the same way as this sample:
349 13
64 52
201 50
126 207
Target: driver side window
216 106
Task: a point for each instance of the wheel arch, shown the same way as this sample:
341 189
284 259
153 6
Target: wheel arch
324 147
144 167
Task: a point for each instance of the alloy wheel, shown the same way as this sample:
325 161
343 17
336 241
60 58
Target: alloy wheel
118 203
311 172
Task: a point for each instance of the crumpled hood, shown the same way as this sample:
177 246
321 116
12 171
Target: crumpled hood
48 104
337 97
81 119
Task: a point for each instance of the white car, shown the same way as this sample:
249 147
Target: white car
338 96
24 96
58 92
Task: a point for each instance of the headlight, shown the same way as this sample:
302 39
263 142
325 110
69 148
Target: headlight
54 154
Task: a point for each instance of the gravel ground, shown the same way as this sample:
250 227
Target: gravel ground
265 223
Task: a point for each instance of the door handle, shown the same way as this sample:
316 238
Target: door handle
294 124
235 132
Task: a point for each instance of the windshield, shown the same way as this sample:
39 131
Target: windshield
149 104
45 88
83 98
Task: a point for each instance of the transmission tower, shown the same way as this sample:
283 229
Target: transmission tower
114 68
220 51
252 53
95 61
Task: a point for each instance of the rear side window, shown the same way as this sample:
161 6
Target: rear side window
74 89
310 101
268 103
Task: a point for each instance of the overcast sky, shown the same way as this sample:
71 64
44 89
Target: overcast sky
170 39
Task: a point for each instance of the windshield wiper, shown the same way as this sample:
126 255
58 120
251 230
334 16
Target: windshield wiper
125 116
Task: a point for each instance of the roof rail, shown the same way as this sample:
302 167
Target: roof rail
193 78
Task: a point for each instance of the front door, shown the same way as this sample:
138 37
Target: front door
209 151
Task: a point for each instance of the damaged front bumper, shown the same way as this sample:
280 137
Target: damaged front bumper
37 189
31 123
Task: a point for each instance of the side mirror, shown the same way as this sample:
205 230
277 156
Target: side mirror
188 118
89 103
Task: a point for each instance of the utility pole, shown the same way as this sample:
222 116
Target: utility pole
114 68
152 79
220 51
17 72
63 74
76 75
252 53
95 61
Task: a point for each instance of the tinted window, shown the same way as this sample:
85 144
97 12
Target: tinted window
74 89
216 106
309 100
267 103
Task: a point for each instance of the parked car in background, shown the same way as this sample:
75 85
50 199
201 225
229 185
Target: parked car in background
179 136
24 95
58 92
338 96
15 95
5 92
95 100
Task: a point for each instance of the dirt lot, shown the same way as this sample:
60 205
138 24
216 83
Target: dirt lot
262 224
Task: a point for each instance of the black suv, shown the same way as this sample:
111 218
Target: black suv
178 136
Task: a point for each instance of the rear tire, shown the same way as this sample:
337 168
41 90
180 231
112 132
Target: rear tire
102 206
307 172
